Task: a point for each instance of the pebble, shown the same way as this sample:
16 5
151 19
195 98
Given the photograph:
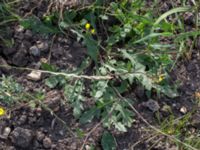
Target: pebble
47 142
34 51
87 147
43 46
40 136
19 59
152 105
183 110
28 34
21 137
5 133
34 75
19 28
196 120
5 67
22 119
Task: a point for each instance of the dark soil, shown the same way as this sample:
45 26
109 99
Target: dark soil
37 128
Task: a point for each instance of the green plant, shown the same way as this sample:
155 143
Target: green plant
181 130
124 41
10 91
7 16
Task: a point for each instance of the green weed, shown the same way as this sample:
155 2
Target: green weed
125 41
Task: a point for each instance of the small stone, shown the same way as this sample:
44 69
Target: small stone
47 142
43 60
4 66
40 136
34 51
52 100
5 133
22 119
183 110
19 59
152 105
28 34
43 46
87 147
21 137
19 28
34 75
196 120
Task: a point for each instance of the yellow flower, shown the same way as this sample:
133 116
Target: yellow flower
87 26
93 31
2 111
160 78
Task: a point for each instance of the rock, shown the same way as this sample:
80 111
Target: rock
152 105
195 121
5 67
34 75
28 34
21 137
5 133
19 59
34 51
52 100
9 51
87 147
22 119
40 136
19 28
183 110
43 46
47 142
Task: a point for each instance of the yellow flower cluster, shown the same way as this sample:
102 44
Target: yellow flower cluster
88 26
